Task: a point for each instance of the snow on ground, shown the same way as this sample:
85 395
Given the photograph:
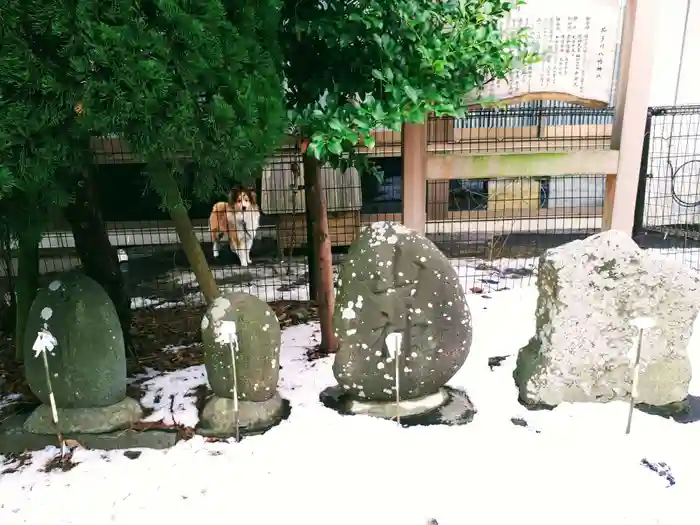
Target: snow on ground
150 302
171 397
573 465
10 400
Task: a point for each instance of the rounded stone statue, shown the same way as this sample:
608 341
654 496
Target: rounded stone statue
86 359
247 325
403 326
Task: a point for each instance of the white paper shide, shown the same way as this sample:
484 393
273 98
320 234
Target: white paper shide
44 342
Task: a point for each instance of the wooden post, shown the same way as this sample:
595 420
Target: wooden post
631 103
414 144
438 200
441 132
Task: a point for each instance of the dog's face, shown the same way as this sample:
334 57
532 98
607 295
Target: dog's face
242 199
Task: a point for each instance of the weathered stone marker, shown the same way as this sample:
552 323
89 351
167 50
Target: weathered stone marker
257 343
588 292
399 299
87 366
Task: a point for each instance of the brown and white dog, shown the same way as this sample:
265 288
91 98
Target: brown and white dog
236 220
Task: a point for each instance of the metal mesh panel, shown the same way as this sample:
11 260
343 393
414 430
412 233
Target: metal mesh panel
668 203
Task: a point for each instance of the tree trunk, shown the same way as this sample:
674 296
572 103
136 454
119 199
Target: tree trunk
317 213
98 256
27 283
8 313
167 188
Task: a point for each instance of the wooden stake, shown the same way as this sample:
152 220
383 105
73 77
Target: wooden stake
641 323
236 419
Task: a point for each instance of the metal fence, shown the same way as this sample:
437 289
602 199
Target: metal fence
492 229
668 200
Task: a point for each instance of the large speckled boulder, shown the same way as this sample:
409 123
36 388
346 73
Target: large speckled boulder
256 342
398 297
589 291
87 364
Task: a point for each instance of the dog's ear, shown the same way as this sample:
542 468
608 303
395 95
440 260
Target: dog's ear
232 194
253 196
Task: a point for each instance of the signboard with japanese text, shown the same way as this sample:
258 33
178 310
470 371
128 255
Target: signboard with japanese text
578 43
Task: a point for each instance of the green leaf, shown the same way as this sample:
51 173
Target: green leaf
378 113
411 93
335 147
362 125
315 149
416 115
369 141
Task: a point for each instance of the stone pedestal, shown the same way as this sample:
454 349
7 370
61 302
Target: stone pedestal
86 362
242 325
94 420
448 406
253 417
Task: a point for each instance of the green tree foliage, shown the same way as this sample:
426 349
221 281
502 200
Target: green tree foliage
182 79
191 83
37 128
352 66
355 65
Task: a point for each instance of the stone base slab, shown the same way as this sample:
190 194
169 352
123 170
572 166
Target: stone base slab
449 406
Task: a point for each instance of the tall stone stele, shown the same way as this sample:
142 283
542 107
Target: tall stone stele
87 366
402 323
251 327
589 292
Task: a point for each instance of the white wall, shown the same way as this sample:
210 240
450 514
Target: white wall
675 76
675 139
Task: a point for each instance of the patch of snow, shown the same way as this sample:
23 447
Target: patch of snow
219 307
149 302
9 400
349 312
177 348
172 396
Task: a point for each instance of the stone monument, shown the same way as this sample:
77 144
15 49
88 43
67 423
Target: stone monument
403 325
589 291
256 338
87 364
